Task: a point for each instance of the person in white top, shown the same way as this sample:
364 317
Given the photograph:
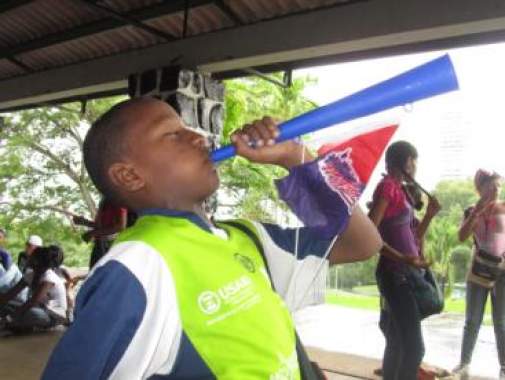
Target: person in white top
47 305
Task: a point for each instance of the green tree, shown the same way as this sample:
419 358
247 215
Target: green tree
461 257
249 188
42 176
455 196
348 276
451 257
441 240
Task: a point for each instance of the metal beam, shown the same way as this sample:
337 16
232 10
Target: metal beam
90 92
144 14
128 19
365 29
8 5
70 99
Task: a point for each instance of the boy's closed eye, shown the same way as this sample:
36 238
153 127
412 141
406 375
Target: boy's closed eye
172 134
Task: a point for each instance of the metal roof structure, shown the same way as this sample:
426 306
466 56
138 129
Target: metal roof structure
56 50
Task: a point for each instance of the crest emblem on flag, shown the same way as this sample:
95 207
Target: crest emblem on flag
339 174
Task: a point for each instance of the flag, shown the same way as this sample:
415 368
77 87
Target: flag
323 193
364 150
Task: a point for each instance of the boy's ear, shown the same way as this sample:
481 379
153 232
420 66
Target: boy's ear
125 176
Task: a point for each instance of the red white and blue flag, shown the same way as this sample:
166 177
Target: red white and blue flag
340 175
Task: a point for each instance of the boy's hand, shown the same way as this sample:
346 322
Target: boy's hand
256 142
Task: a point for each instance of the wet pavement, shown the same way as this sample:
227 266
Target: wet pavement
354 331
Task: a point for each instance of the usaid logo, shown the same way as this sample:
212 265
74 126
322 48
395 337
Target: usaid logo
209 302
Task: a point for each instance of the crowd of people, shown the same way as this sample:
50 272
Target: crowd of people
176 286
35 291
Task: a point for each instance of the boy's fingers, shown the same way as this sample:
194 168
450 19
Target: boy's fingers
243 148
253 135
270 121
241 132
265 132
261 133
273 125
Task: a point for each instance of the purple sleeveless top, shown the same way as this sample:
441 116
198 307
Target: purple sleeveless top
397 227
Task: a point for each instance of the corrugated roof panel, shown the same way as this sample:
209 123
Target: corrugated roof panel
98 45
125 6
253 11
45 17
8 69
200 20
41 18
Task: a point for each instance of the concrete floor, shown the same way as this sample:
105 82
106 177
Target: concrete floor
24 357
353 331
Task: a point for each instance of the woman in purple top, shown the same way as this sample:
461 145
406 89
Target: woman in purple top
392 212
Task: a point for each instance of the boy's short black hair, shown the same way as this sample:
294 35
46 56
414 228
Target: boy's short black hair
398 154
104 144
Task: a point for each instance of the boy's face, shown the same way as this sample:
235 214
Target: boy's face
169 164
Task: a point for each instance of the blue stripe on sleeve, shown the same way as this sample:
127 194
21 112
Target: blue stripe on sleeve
309 240
109 310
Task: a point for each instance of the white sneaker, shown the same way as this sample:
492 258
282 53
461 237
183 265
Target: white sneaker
462 372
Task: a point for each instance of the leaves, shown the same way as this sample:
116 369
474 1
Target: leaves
249 188
42 171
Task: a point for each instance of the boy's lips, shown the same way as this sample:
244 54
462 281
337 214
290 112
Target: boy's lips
207 159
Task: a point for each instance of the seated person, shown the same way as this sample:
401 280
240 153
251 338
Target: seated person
5 257
47 304
9 278
33 242
69 280
178 296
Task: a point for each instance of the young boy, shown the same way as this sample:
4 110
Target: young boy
177 297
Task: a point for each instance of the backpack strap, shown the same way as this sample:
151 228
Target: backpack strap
308 370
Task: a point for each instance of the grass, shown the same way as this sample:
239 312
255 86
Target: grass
366 298
355 301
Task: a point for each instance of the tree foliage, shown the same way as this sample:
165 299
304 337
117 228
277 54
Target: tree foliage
42 177
248 189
